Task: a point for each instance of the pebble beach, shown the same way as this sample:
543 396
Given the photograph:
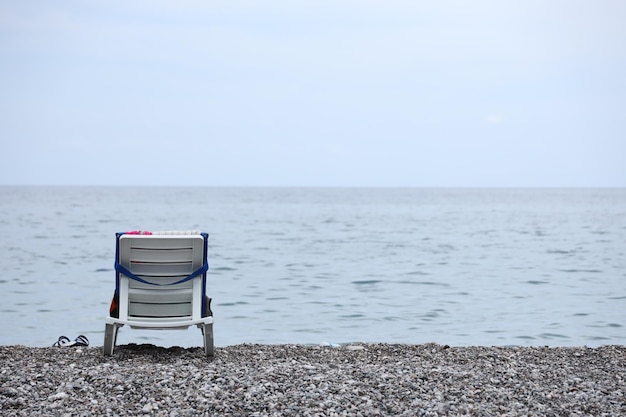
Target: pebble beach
297 380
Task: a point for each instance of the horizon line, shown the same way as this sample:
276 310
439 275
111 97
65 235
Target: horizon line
315 186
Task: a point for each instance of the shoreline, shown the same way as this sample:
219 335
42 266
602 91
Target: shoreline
358 379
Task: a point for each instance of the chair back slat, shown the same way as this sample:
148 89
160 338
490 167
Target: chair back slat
161 260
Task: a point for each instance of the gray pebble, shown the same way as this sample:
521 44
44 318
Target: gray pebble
277 380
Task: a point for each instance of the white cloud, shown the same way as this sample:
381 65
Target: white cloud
494 119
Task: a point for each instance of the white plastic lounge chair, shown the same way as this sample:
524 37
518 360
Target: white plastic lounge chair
160 284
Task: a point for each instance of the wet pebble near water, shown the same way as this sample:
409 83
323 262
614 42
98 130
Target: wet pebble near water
297 380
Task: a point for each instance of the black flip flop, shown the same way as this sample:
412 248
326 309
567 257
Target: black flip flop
81 341
63 341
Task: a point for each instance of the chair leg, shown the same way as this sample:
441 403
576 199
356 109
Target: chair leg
207 333
110 338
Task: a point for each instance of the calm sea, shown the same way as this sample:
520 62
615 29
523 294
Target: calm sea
313 265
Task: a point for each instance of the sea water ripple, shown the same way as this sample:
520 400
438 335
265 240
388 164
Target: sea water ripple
307 265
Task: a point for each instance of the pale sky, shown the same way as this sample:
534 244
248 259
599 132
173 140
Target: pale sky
313 93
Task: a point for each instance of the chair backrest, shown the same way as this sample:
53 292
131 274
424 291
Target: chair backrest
161 277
